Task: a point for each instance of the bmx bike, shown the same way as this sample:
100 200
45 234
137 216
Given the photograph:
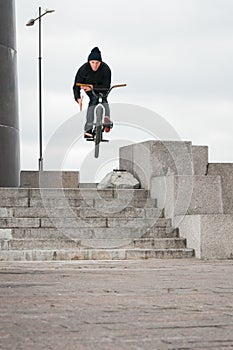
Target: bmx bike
99 113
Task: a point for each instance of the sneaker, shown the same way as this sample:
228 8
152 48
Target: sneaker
108 123
88 134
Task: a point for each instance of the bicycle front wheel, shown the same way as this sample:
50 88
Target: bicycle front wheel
98 138
98 135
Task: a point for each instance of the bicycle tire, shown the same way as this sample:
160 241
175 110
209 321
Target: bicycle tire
98 138
98 135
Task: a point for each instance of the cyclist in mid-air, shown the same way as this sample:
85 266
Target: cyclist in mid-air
96 73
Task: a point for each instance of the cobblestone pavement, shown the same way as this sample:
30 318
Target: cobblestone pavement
148 304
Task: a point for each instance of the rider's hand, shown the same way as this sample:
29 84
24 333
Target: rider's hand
87 88
80 102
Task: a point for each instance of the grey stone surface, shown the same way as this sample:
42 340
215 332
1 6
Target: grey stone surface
150 159
60 223
126 158
188 194
96 243
118 179
161 158
19 222
225 170
5 233
217 236
6 212
152 304
210 235
200 159
9 124
87 185
94 254
49 179
189 190
13 192
157 158
190 228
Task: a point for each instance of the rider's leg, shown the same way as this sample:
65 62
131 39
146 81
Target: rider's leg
108 123
90 116
107 109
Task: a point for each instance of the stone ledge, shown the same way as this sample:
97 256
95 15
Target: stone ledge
225 170
211 236
162 158
188 194
49 179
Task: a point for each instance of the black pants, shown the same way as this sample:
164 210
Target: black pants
91 111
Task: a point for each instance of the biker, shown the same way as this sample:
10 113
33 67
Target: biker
97 74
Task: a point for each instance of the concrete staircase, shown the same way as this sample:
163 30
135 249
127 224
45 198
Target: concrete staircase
79 224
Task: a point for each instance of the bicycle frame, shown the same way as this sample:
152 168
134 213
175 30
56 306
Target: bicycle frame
99 112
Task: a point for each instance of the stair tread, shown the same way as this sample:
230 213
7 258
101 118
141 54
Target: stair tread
85 223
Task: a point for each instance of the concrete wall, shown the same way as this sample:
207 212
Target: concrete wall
188 195
225 171
195 194
49 179
162 158
9 126
210 235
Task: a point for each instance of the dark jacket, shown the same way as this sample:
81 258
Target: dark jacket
99 79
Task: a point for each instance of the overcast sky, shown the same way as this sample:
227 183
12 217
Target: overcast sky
175 56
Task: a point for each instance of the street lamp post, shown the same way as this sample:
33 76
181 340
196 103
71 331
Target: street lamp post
31 23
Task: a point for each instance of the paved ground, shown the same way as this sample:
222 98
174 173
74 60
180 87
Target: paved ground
149 304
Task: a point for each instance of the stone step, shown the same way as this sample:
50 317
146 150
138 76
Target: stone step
154 232
50 203
62 198
94 254
61 223
56 244
110 205
85 223
33 212
89 233
73 193
156 243
88 185
103 222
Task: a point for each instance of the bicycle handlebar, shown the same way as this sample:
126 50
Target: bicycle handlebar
101 89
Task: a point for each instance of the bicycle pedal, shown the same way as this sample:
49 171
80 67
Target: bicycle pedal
108 125
104 140
90 139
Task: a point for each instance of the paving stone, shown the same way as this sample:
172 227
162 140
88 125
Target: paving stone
144 304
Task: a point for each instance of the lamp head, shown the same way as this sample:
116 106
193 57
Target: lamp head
33 20
30 22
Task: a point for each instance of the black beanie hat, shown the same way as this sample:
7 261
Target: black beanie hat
95 55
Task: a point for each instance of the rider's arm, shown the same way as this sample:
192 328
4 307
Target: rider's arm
80 102
78 78
76 90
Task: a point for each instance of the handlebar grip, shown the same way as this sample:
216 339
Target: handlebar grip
89 85
119 85
81 84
